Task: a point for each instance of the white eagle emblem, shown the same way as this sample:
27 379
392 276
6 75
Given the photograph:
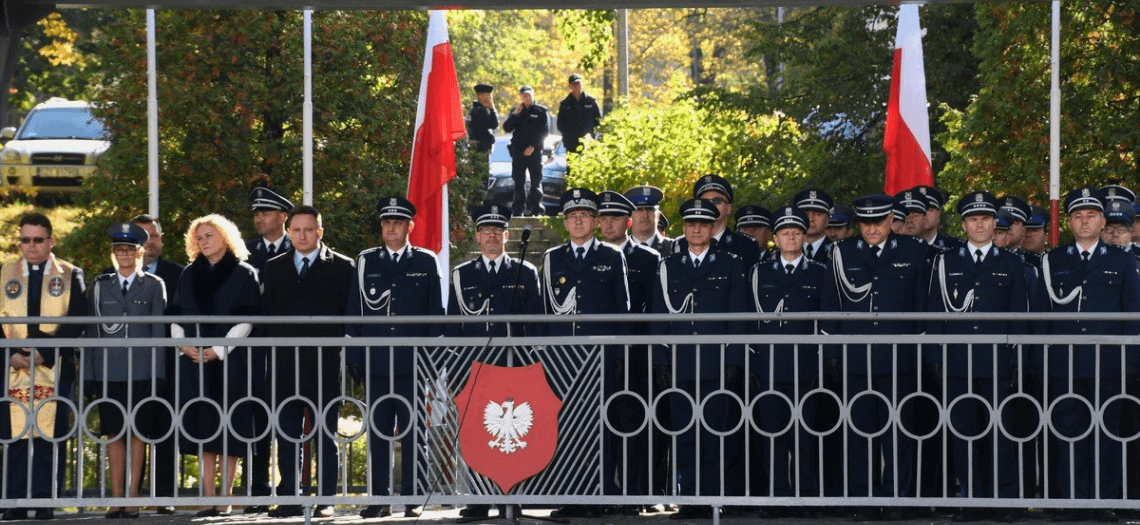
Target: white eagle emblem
507 424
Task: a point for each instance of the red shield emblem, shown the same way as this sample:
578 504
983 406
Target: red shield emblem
508 422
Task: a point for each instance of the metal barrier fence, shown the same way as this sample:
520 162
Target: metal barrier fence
876 419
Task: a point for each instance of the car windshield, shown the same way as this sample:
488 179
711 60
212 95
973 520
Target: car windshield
500 153
62 123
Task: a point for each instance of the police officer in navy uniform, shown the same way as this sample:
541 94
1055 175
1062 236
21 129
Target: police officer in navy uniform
700 279
979 277
1087 275
578 115
839 222
646 228
932 229
392 280
269 213
615 212
1017 211
755 222
817 205
1120 215
585 276
716 190
878 271
788 282
528 124
1036 236
482 119
913 206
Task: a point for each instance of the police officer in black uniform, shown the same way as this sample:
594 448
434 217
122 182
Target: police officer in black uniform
394 279
816 204
482 119
913 206
979 277
755 222
932 230
528 124
717 191
788 282
578 115
1017 210
878 271
700 279
646 228
839 222
269 213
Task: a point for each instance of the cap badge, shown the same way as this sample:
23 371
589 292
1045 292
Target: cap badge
392 201
978 197
697 205
577 194
125 227
1085 192
812 194
645 191
260 193
495 208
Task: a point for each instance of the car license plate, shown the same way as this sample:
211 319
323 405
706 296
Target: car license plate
58 172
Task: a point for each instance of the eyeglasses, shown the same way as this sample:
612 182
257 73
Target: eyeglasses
579 217
717 201
125 250
32 240
490 230
1116 230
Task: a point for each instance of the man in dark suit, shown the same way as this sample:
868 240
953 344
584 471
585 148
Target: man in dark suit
978 277
716 190
645 228
165 454
817 205
700 280
307 279
269 213
1088 276
788 282
879 271
392 280
585 276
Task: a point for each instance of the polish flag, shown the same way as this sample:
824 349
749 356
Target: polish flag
907 140
439 123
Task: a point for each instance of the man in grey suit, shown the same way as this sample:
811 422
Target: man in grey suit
126 374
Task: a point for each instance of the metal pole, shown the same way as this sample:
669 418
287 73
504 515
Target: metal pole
1055 129
623 53
307 114
780 22
151 118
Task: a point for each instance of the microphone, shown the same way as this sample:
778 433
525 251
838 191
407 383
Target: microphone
525 234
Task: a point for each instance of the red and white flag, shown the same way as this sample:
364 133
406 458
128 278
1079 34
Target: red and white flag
439 123
907 140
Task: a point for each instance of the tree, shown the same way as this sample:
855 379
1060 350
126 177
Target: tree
1002 139
671 146
230 98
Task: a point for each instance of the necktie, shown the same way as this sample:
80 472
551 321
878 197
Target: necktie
696 263
581 254
788 269
875 251
810 249
492 268
272 249
125 286
304 267
1085 256
977 257
395 257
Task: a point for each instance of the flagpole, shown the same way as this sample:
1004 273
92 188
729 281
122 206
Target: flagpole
307 116
1055 129
151 117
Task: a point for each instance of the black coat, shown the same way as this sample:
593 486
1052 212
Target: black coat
323 290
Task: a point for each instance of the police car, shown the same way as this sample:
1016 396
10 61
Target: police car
501 187
54 149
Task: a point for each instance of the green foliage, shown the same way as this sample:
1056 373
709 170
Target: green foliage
55 58
1002 139
230 96
673 145
590 31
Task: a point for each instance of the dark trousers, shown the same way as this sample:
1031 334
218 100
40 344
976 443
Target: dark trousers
39 452
290 459
705 456
390 418
1077 462
784 461
874 467
974 452
520 165
624 454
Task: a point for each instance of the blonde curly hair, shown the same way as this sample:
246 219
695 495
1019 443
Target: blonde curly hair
226 228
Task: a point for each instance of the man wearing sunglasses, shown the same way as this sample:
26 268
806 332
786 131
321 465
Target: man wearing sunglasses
38 284
718 192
